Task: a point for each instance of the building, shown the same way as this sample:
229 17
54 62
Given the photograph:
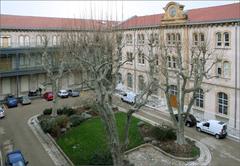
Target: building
219 25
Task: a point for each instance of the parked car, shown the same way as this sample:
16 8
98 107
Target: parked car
190 120
48 96
15 158
214 127
24 100
11 101
62 93
33 92
2 113
73 93
129 97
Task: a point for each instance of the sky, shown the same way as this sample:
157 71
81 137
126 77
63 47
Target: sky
96 9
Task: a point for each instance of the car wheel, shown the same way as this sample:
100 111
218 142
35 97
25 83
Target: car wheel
217 136
122 99
188 124
199 129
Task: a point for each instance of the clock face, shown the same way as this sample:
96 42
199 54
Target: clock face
172 11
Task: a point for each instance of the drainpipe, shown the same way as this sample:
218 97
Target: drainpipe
236 75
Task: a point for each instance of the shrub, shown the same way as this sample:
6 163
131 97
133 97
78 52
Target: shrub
47 125
75 120
66 111
163 134
61 121
47 111
101 158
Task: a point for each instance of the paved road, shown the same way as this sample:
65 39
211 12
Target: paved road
225 152
14 127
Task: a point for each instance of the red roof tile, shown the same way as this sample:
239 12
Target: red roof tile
209 14
30 22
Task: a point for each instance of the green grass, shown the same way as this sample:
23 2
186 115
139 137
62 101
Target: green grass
89 137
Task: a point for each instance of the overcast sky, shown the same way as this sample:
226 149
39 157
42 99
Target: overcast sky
100 9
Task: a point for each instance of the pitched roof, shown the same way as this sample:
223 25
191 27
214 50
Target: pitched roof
31 22
209 14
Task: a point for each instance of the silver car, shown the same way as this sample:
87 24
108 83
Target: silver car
73 93
2 114
24 100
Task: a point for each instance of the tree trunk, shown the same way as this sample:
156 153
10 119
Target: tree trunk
55 98
127 126
180 132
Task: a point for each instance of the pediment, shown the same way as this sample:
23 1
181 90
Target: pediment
174 14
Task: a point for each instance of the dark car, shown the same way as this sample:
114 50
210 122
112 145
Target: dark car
73 93
190 120
48 96
11 101
15 158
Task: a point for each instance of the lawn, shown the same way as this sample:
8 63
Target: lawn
80 143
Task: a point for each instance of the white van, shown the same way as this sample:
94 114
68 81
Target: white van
129 97
214 127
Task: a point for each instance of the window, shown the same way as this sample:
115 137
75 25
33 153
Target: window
226 69
195 39
39 40
178 41
129 80
58 40
54 40
199 102
141 82
141 59
129 38
219 39
27 41
172 62
168 39
21 41
141 38
119 78
156 36
223 69
156 59
202 38
222 103
5 41
130 57
173 90
44 39
226 39
173 38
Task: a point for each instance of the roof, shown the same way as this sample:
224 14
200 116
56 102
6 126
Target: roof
200 15
33 22
222 13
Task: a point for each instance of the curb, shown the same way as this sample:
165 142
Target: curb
205 156
48 144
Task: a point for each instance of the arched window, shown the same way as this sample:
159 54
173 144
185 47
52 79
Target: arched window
226 39
129 80
195 39
169 61
119 78
178 38
141 82
39 40
222 103
226 69
27 41
54 40
21 40
199 102
141 58
168 39
202 38
173 90
219 39
44 39
173 38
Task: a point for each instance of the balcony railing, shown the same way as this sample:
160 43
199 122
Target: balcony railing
26 45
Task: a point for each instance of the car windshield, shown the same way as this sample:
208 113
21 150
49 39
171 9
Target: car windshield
1 110
19 163
25 97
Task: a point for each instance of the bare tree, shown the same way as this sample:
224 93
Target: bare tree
56 63
188 74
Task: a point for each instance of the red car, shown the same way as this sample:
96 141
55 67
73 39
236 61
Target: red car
48 96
